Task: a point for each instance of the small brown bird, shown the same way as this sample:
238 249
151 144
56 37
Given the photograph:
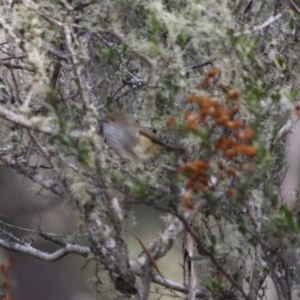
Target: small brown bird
131 140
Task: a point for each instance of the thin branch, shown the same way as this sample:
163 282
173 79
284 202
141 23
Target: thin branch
199 65
161 245
29 230
25 107
18 67
85 251
212 257
36 124
56 52
200 293
31 173
44 15
249 6
131 46
12 57
284 130
33 252
254 207
188 248
25 122
267 23
125 93
294 6
11 236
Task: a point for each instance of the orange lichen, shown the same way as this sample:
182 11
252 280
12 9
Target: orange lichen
205 103
231 153
206 81
248 150
222 116
185 115
194 166
246 134
232 95
198 87
5 270
234 124
210 74
297 108
223 87
191 99
191 125
203 180
248 167
222 126
187 201
198 180
236 108
170 122
224 143
213 72
230 172
232 192
192 121
220 165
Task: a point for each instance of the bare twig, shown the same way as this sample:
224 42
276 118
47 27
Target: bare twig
293 5
200 293
33 252
202 248
249 6
188 248
34 7
260 27
199 65
132 47
31 173
284 130
17 67
25 122
256 214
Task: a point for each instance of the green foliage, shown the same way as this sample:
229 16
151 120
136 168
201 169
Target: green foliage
143 57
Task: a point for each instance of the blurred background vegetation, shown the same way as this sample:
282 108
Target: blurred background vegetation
219 79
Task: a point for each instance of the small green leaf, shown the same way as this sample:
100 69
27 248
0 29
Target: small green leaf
109 102
295 92
97 58
289 218
280 63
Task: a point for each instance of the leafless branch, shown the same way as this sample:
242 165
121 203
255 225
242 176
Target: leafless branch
199 65
34 7
260 27
20 119
200 294
29 250
255 211
283 131
149 61
17 67
22 167
293 5
188 249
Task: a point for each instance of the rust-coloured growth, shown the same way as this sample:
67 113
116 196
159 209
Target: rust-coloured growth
226 130
170 122
297 108
187 201
232 95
